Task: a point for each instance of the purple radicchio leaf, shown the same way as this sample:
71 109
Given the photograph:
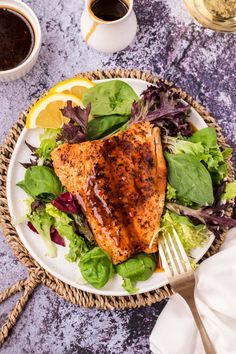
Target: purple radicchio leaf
31 147
36 205
65 202
76 130
163 108
33 159
217 195
29 164
56 237
213 218
31 227
54 234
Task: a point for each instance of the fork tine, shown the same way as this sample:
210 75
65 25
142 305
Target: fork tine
181 250
164 260
177 258
171 258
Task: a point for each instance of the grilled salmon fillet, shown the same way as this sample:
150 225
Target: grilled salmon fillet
120 183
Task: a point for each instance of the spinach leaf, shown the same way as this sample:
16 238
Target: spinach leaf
110 97
179 146
102 126
23 186
96 267
190 178
206 136
204 150
41 181
137 268
171 194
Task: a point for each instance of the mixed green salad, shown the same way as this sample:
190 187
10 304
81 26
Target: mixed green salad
197 191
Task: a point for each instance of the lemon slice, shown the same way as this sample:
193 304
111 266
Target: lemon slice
46 112
76 86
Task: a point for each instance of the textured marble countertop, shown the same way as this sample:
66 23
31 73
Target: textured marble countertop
168 44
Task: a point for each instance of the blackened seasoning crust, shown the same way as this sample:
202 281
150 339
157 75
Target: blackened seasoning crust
120 183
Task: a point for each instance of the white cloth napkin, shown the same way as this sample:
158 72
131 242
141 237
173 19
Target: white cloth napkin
215 294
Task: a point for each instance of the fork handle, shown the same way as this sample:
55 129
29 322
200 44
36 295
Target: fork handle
187 293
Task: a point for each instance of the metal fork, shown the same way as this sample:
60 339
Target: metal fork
182 279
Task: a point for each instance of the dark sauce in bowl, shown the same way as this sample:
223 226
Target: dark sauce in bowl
16 39
109 10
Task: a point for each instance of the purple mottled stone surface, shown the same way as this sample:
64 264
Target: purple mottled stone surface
170 44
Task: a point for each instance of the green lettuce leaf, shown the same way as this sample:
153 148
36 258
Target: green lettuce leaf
42 222
128 285
190 235
64 225
230 192
213 157
47 143
203 145
206 136
179 146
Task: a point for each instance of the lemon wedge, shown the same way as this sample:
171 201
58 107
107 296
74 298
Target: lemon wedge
75 86
46 112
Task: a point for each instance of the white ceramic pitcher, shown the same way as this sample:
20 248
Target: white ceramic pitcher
108 36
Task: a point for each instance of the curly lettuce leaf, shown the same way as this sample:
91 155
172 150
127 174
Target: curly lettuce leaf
215 163
230 192
208 216
66 203
203 146
48 142
64 224
171 193
213 158
42 223
206 136
190 235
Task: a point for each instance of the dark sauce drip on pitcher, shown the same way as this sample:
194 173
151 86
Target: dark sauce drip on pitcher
109 10
16 39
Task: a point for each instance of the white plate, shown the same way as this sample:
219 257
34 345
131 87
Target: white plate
59 267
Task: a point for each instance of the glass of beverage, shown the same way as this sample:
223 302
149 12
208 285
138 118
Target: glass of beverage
218 15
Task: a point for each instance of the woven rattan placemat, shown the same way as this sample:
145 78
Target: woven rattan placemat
36 274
